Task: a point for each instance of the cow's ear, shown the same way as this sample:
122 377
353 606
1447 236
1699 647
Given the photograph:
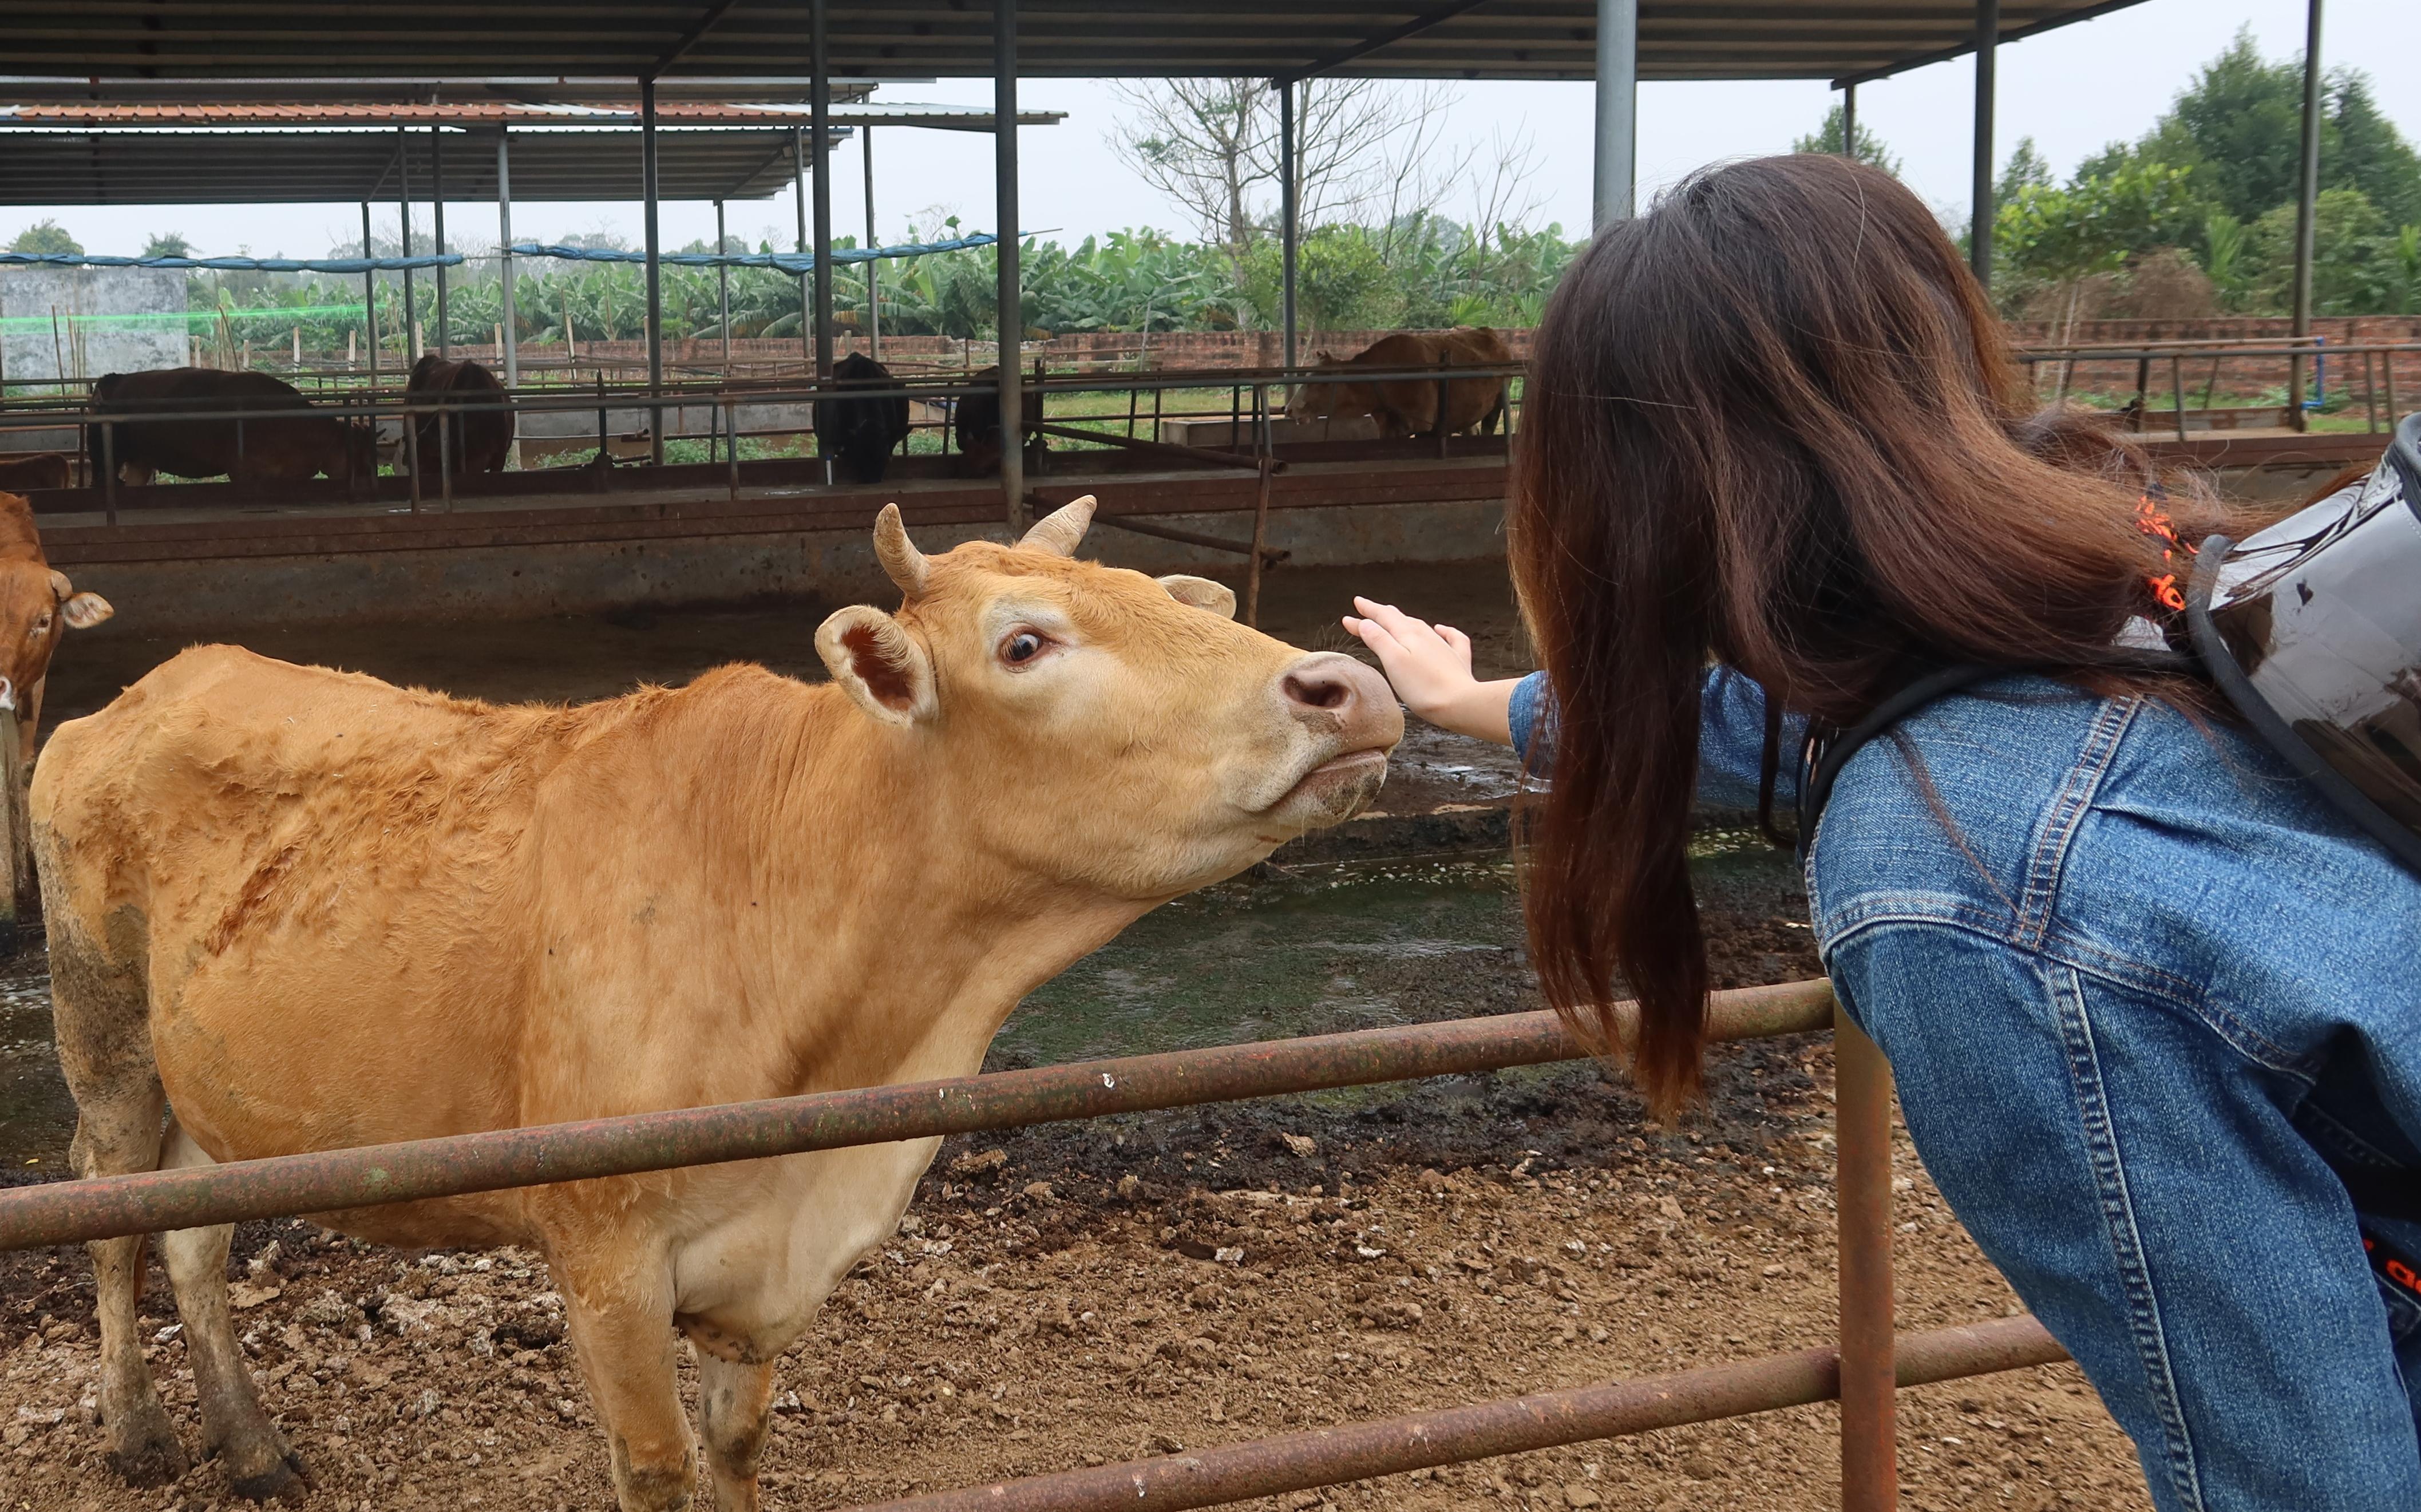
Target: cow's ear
879 664
1202 593
81 611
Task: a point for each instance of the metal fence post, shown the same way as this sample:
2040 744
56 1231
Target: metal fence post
1862 1123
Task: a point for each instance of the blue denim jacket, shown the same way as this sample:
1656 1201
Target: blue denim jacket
2132 990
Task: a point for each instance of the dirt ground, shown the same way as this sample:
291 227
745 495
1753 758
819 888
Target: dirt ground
1065 1296
1048 1304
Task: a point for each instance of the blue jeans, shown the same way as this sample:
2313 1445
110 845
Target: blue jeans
2158 1208
2140 986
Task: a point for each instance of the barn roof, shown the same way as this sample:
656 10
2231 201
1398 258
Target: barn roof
690 39
123 153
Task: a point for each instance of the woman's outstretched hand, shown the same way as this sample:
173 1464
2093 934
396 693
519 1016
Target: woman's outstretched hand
1431 668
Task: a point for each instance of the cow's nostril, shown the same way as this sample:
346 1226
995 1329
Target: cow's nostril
1318 691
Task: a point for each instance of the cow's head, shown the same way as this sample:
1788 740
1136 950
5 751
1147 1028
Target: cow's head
1098 726
361 450
37 606
1317 401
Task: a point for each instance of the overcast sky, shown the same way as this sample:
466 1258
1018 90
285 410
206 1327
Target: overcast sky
2072 90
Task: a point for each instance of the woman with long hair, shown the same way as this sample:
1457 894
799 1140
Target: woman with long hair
2145 995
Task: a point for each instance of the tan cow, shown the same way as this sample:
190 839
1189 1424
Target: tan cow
296 909
37 606
1408 406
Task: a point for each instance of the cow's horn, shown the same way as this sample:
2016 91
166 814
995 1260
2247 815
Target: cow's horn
60 587
1062 530
901 561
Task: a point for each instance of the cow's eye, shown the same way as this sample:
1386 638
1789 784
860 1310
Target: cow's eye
1020 647
41 625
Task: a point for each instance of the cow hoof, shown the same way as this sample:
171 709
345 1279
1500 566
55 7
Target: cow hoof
143 1450
280 1479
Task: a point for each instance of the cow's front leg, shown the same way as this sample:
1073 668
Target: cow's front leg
734 1401
621 1316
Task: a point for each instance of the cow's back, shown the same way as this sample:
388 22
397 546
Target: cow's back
316 875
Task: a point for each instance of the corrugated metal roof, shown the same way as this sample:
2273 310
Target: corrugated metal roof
307 167
316 153
171 39
669 113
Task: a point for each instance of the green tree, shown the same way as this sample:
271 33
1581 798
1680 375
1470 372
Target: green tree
1827 138
167 245
2369 153
2092 226
47 236
2027 169
2239 125
2353 256
2404 272
2223 257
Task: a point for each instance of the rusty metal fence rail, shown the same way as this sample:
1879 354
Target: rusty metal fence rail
1870 1365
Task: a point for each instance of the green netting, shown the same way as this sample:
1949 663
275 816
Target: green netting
285 313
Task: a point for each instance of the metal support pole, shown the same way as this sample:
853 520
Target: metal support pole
504 239
1010 311
1850 122
1862 1132
1988 45
722 288
437 223
807 299
1617 112
2307 191
1289 218
648 187
369 295
820 96
873 304
403 219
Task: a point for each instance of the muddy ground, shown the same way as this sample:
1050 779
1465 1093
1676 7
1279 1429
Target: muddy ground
1129 1287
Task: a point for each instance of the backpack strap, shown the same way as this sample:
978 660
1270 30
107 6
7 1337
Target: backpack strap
1828 751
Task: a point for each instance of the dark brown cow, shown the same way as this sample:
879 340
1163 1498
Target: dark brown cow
476 440
274 434
33 470
1408 406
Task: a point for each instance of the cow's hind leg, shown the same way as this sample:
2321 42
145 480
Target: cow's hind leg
104 1043
733 1404
235 1431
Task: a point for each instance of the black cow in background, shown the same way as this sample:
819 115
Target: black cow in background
976 423
861 433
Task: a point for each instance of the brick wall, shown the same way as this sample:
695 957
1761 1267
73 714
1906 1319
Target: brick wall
2237 376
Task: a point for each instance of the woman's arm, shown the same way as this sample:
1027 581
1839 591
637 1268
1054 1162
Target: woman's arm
1431 668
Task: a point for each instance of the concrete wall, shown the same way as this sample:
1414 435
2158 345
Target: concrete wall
229 596
79 348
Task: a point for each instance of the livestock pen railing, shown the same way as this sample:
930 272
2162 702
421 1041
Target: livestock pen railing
1862 1373
2174 370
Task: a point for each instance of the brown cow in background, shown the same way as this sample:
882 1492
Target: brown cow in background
38 604
275 435
475 440
1408 406
33 470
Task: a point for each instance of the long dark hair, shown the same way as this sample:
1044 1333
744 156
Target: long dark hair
1774 422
